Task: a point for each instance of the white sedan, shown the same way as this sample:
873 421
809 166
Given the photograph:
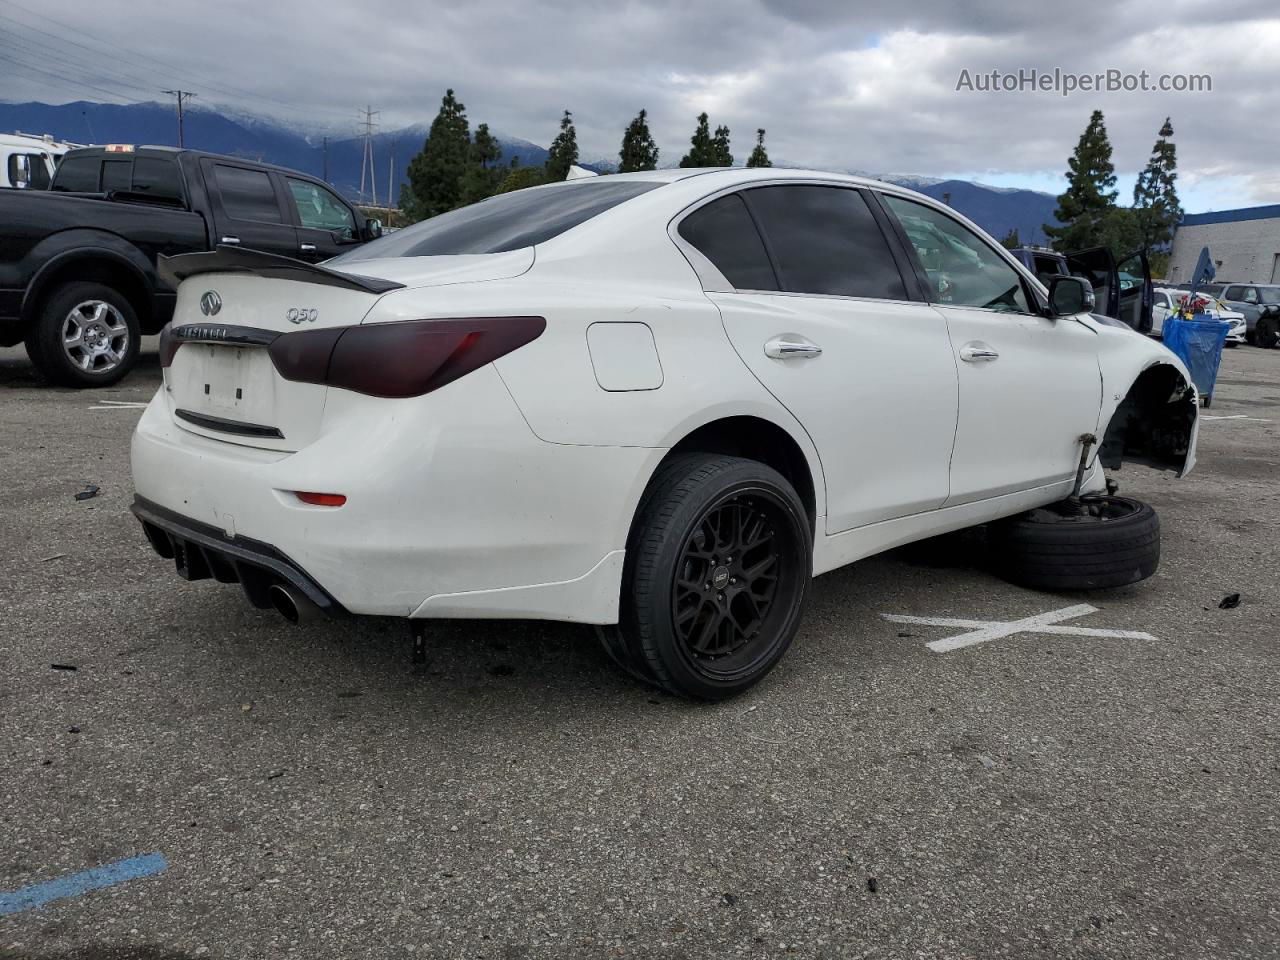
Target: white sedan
656 402
1168 300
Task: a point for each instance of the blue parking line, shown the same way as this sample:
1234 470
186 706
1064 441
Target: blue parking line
108 875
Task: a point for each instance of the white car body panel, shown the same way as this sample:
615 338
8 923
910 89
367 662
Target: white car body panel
510 492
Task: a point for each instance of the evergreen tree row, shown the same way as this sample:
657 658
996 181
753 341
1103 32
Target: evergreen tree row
1087 212
455 167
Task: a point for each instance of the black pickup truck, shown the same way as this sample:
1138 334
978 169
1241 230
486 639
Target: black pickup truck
78 282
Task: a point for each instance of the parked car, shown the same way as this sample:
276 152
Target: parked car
78 280
1169 300
1122 288
1259 303
28 162
656 402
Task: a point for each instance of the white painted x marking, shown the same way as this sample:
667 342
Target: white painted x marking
119 405
980 631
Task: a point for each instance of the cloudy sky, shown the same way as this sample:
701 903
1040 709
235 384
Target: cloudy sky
838 85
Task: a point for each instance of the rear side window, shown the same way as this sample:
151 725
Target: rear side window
825 240
157 178
508 221
78 174
723 232
1235 293
247 194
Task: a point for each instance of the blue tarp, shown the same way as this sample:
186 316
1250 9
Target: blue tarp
1197 343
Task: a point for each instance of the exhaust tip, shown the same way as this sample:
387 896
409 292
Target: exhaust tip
284 603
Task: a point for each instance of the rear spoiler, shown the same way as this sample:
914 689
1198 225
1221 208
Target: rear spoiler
228 259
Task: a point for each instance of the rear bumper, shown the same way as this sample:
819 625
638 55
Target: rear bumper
454 507
200 551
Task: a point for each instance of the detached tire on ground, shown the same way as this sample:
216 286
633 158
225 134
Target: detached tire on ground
1111 542
86 335
717 571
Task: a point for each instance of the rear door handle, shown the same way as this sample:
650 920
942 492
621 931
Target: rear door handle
229 240
307 247
978 352
791 346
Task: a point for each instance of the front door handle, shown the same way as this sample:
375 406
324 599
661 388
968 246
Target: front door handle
978 352
229 240
791 346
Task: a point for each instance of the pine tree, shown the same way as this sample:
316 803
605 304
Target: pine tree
638 152
564 150
483 174
435 174
1090 195
701 148
723 158
759 156
1155 197
1011 240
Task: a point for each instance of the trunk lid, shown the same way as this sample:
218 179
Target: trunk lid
233 303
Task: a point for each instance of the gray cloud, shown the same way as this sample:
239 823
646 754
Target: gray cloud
868 86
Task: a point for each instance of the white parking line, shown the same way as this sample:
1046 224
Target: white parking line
980 631
119 405
1237 416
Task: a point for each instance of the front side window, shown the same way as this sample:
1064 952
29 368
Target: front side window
963 270
722 231
508 221
825 240
78 174
1250 295
247 194
320 209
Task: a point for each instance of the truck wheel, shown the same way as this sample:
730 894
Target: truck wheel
86 336
1106 542
717 570
1267 333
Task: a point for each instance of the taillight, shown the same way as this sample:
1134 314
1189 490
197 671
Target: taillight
403 359
169 345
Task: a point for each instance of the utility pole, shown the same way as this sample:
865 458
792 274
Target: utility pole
183 96
366 158
326 160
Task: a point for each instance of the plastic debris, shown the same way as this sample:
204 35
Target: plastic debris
872 885
1230 602
63 666
88 493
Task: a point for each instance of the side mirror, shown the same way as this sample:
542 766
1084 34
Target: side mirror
372 228
1069 296
21 171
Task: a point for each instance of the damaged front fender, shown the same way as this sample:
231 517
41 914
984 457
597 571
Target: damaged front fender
1151 409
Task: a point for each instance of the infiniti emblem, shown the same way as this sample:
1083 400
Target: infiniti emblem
210 303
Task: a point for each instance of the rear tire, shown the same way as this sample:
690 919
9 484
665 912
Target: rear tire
1267 333
87 335
1115 542
716 575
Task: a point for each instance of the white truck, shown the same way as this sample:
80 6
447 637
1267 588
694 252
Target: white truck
28 161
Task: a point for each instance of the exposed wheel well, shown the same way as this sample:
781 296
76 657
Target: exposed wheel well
755 439
91 269
1153 424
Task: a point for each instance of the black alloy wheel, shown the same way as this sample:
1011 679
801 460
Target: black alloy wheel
717 571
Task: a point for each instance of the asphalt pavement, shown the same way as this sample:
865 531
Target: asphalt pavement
183 776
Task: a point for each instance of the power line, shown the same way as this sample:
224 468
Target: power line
183 74
64 80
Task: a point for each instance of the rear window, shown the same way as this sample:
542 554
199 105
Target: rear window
157 177
508 221
78 174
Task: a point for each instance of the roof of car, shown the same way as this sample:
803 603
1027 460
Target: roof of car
151 149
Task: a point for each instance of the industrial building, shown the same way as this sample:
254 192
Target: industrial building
1243 244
